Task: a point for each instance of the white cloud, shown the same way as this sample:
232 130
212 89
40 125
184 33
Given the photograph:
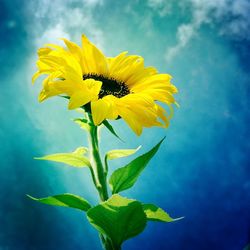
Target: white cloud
69 19
231 17
239 25
184 34
161 6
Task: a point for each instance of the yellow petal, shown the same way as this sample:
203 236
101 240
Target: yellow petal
35 76
42 96
131 119
43 51
104 108
48 90
93 59
78 99
162 114
93 86
116 60
140 75
88 92
74 49
65 87
113 112
99 110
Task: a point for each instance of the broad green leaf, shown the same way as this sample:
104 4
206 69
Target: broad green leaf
110 128
83 123
125 177
74 159
118 218
119 153
155 213
64 200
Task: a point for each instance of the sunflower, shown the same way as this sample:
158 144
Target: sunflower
113 87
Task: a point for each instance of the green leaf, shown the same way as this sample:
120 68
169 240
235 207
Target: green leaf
118 218
64 200
125 177
155 213
74 159
119 153
110 128
83 123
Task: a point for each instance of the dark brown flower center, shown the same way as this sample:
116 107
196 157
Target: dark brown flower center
110 86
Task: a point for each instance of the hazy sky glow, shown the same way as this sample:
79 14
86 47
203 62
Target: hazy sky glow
202 170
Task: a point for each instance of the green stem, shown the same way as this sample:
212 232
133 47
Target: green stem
99 173
106 166
96 162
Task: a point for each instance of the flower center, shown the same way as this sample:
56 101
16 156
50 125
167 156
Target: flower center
110 86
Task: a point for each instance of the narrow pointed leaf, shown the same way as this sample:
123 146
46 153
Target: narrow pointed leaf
119 153
125 177
155 213
64 96
110 128
74 159
118 218
65 200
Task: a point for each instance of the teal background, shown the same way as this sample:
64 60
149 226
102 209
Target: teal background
202 169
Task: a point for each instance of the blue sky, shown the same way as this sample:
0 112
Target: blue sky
202 169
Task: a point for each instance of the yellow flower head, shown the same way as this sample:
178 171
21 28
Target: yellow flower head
115 87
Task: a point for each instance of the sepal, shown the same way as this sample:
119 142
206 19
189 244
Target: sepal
111 129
